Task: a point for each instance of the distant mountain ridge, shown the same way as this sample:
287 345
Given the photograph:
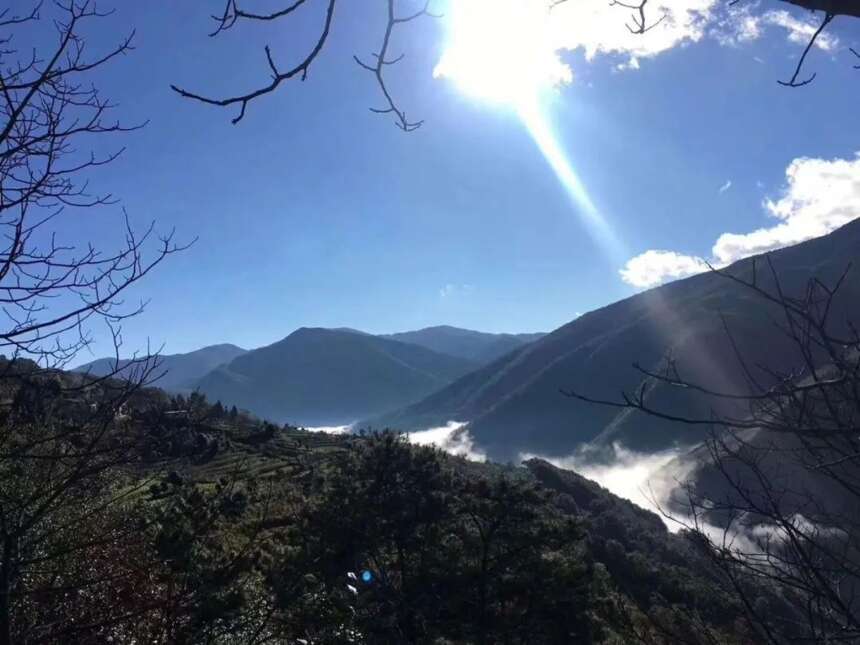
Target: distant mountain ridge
390 371
180 371
325 377
478 347
514 404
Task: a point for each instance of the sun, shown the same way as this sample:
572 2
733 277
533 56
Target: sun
505 52
501 51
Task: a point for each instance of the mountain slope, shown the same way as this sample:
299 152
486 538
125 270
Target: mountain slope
319 377
476 346
514 404
181 371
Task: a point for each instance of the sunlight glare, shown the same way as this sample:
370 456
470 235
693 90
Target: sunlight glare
501 51
537 124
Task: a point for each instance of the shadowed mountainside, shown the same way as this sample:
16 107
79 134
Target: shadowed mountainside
514 404
180 371
320 377
478 347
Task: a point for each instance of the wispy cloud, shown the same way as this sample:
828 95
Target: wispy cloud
744 23
598 28
602 29
820 196
725 186
451 290
453 438
740 25
331 429
646 479
801 30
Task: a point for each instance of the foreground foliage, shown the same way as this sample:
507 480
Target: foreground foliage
200 524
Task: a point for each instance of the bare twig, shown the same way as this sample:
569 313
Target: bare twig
233 13
793 82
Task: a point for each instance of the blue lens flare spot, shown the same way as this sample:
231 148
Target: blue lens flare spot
366 577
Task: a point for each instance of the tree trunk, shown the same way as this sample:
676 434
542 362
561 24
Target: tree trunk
5 588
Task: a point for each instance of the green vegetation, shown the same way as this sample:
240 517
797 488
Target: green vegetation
205 525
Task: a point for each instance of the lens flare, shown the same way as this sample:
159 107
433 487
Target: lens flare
537 123
502 52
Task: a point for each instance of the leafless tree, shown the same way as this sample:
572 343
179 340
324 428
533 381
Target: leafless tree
234 13
66 451
48 112
775 495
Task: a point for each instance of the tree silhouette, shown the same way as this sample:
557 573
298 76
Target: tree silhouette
774 498
64 446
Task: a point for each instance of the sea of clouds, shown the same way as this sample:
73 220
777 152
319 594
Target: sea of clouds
648 479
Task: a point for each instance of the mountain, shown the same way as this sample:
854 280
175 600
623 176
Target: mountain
476 346
320 377
514 404
181 371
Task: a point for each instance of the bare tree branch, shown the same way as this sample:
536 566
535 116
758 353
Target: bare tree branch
233 13
775 493
46 111
640 23
382 60
793 82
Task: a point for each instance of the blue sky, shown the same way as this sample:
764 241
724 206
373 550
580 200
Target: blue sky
314 212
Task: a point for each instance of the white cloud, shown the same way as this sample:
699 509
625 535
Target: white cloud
451 290
738 27
515 52
598 28
725 186
332 429
743 25
503 50
820 196
453 438
768 532
656 267
646 479
801 30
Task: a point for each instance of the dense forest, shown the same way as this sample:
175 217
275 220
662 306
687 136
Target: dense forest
200 524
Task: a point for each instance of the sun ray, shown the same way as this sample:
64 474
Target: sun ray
502 52
537 123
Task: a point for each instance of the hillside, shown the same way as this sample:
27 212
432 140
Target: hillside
492 551
178 371
478 347
318 377
514 404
